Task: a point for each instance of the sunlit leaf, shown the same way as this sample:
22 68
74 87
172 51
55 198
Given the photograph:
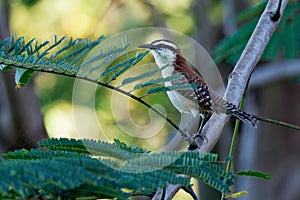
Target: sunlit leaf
237 194
22 76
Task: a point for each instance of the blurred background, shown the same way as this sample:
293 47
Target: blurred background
44 107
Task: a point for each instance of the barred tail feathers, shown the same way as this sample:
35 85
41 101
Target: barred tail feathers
245 117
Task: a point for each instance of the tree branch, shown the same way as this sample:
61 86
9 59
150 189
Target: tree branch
171 190
242 71
275 72
239 78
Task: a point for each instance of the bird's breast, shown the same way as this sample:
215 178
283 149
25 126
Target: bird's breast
169 71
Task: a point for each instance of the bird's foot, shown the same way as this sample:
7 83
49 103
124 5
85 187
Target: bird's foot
201 136
193 144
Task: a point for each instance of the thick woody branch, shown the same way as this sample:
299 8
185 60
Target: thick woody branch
170 192
275 72
238 79
242 71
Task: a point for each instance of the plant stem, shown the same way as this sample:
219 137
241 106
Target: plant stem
280 123
234 138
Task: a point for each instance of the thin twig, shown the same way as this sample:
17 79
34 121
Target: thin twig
234 138
279 123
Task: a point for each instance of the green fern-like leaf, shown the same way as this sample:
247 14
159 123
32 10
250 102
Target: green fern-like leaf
171 88
285 40
156 81
251 12
141 76
92 147
200 166
231 48
65 169
55 176
39 154
256 174
55 56
76 58
131 149
102 166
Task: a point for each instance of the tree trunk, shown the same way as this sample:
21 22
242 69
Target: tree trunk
21 123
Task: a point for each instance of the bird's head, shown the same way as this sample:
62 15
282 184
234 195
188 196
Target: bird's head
164 51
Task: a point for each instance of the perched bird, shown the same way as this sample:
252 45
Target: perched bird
201 100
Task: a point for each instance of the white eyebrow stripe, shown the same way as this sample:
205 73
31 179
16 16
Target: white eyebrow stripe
166 43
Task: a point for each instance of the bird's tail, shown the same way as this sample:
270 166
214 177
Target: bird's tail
245 117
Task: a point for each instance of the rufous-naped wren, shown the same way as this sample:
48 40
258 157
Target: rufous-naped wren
201 100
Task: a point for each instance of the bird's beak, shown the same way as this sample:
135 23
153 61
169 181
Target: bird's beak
146 46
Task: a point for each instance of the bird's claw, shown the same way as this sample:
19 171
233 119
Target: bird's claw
193 145
200 135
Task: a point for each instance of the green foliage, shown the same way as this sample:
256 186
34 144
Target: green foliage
69 168
29 3
90 147
141 76
256 174
170 88
23 76
74 58
84 59
156 81
285 41
57 56
131 148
